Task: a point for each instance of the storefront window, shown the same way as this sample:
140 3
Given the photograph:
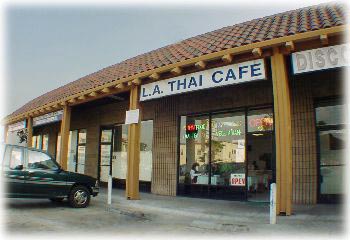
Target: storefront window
120 152
146 142
34 142
77 150
329 114
38 142
194 144
228 149
45 142
58 148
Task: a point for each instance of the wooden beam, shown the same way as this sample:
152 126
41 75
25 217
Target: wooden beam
283 136
120 85
30 131
136 82
290 46
133 165
106 90
324 39
72 100
176 71
200 65
228 58
6 129
154 76
65 126
64 103
257 52
82 97
93 94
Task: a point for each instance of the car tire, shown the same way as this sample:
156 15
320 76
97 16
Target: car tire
79 197
58 199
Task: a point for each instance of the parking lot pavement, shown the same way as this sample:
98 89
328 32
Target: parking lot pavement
166 215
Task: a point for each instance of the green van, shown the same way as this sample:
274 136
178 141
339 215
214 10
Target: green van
31 173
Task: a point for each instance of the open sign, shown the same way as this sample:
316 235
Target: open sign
237 179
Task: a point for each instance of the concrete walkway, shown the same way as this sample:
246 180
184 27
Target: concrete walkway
216 214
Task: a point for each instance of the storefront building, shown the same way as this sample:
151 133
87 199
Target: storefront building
221 115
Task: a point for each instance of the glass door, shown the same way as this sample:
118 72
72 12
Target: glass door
331 136
105 154
261 164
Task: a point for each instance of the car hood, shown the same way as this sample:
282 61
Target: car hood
81 178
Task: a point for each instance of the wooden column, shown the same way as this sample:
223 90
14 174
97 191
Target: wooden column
30 131
65 126
283 124
6 129
132 177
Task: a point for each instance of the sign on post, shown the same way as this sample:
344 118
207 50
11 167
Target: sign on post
132 116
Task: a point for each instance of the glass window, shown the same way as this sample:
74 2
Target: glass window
228 135
45 142
194 143
58 148
260 120
39 160
330 114
82 136
16 159
38 142
34 142
120 152
146 141
72 150
106 136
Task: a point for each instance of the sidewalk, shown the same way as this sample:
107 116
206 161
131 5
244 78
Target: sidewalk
208 212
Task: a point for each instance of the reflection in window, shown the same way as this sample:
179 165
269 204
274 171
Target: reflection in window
45 142
39 160
228 135
16 158
146 140
330 115
120 151
194 143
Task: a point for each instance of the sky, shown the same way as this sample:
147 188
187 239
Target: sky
48 46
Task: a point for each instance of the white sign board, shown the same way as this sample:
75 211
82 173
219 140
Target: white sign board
237 179
17 126
132 116
320 59
216 77
48 118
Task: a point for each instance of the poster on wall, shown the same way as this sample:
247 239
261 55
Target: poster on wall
237 179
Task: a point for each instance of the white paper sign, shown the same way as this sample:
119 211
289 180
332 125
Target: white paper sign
17 126
320 58
237 179
132 116
216 77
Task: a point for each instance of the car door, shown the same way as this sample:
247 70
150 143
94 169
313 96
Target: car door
44 178
13 171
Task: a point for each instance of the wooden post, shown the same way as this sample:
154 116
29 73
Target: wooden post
6 129
65 126
132 178
30 131
282 115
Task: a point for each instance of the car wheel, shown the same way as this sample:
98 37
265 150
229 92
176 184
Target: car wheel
59 199
79 197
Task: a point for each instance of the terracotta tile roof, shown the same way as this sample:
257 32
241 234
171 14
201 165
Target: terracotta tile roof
257 30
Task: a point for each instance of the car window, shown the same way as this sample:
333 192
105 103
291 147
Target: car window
16 159
39 160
